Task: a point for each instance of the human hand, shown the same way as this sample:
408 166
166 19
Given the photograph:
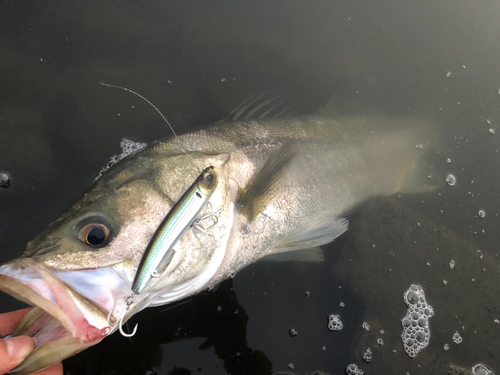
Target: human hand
14 350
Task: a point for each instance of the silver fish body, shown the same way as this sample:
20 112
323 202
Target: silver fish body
283 185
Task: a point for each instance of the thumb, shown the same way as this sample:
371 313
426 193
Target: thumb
13 351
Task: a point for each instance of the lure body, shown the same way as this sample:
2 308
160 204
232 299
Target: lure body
161 248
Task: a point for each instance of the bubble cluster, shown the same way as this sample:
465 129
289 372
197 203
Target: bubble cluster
481 369
334 323
380 341
416 332
353 369
367 355
457 339
128 147
293 332
452 264
365 326
446 347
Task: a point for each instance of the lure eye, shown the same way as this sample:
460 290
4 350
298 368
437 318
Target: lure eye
209 177
208 180
95 234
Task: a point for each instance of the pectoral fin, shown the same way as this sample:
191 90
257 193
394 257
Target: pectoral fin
263 188
307 240
314 255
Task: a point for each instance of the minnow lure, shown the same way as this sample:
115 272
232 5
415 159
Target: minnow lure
160 250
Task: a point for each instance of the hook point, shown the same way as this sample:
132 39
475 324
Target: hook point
125 334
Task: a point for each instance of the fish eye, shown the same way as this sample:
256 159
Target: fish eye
95 234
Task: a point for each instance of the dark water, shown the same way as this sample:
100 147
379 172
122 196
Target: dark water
197 60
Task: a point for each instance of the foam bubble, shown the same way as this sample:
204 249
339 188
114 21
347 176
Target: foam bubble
4 180
412 297
457 339
367 355
353 369
451 180
416 332
128 147
334 323
366 326
481 369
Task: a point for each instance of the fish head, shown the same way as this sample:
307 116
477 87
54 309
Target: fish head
79 271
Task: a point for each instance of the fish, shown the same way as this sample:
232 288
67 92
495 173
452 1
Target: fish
285 184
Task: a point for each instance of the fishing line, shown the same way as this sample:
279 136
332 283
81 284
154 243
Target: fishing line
152 105
131 298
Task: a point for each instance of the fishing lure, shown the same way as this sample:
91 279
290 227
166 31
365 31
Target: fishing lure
160 250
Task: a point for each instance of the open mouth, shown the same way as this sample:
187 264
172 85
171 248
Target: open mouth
69 315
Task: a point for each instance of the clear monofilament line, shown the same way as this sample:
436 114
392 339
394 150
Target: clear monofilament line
152 105
143 98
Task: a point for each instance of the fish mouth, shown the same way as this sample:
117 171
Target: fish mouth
65 319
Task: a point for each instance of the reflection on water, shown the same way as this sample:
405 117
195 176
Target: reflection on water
213 325
196 61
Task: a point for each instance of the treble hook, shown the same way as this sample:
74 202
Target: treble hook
129 301
215 214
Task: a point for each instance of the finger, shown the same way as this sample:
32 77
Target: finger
57 369
13 351
9 321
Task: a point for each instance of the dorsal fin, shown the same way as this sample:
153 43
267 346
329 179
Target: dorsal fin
261 106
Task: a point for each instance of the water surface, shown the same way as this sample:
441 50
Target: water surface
196 61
